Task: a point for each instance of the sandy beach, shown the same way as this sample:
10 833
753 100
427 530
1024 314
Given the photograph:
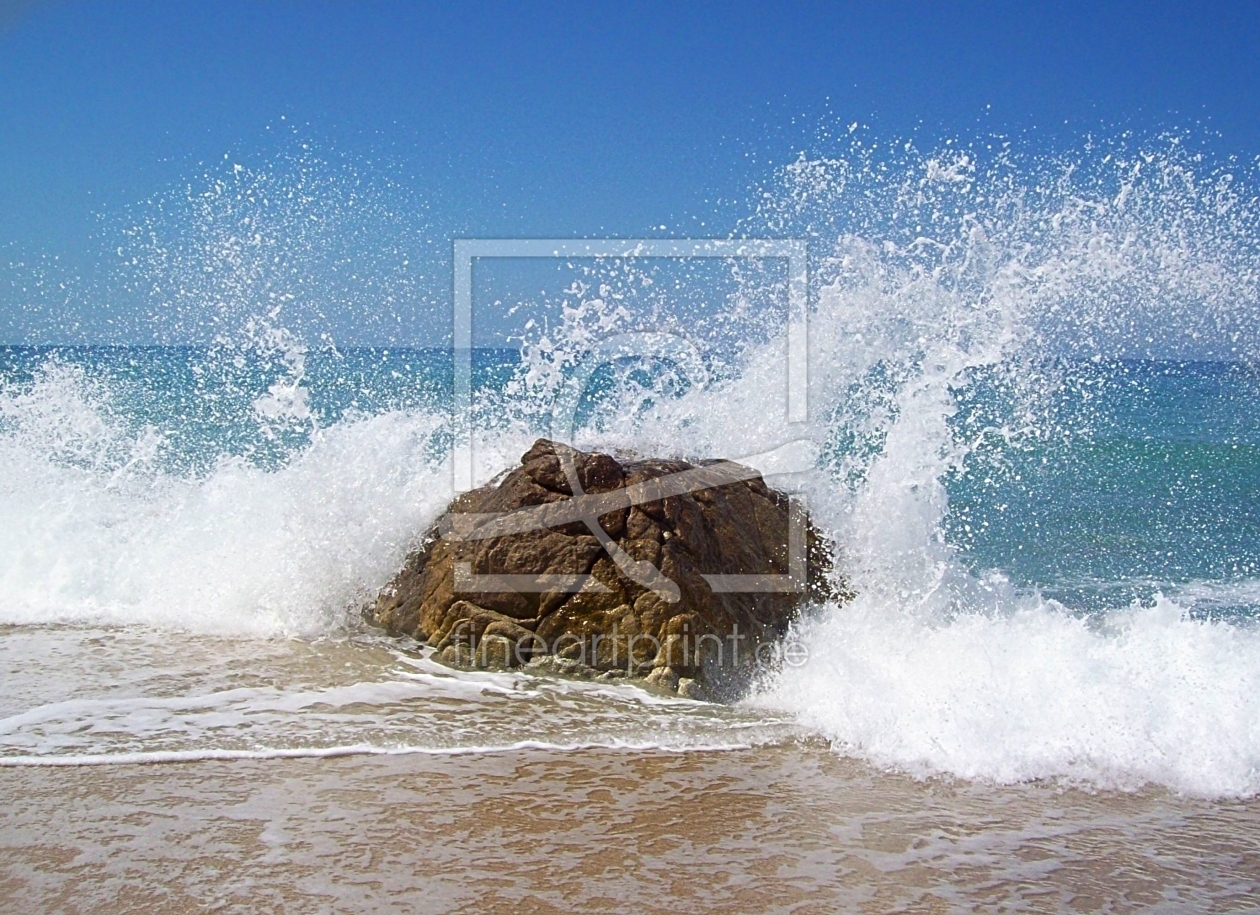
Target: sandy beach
786 829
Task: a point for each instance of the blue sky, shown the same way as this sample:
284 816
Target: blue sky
559 119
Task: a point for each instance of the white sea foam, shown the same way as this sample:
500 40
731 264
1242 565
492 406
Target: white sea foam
91 530
1035 693
192 756
926 268
933 269
1211 596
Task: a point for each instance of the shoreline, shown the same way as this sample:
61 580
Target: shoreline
772 828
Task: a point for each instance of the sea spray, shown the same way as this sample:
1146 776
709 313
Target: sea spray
960 300
97 528
956 296
958 271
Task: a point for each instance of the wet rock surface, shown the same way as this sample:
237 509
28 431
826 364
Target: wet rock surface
576 563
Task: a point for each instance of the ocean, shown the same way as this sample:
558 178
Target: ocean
1032 437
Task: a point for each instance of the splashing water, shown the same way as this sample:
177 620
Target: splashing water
981 276
232 480
962 313
980 321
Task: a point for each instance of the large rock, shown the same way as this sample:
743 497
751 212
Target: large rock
618 581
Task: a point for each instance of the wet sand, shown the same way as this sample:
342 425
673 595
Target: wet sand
792 828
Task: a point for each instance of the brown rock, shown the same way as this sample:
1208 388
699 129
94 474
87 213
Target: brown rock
642 607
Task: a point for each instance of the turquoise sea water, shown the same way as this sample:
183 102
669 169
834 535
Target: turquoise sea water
1147 479
1032 438
1152 483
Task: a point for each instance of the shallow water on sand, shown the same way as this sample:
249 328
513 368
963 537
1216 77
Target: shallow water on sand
81 695
787 828
144 771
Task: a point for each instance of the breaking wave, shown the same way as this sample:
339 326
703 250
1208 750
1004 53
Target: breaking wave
960 300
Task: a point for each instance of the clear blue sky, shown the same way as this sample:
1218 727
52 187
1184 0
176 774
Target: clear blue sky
567 119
